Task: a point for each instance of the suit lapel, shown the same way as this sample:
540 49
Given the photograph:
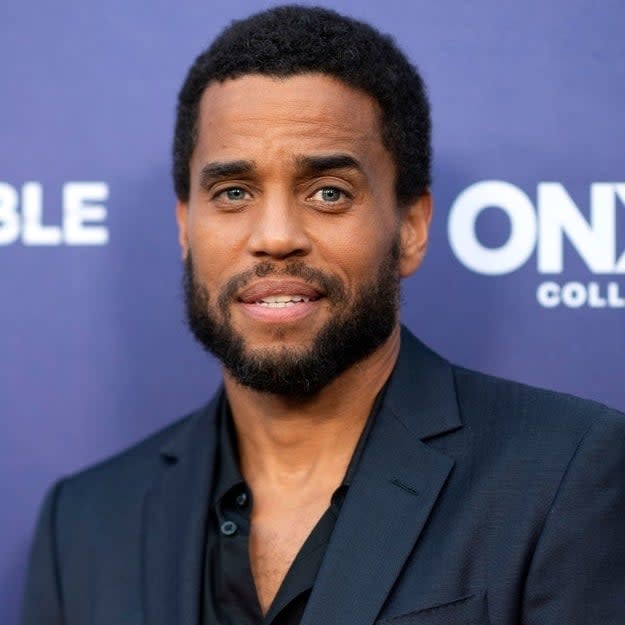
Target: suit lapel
392 494
174 523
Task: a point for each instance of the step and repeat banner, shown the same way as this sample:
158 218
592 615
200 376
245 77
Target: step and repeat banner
525 273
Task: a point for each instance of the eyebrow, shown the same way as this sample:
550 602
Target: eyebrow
220 170
323 163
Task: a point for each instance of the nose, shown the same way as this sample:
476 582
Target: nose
278 230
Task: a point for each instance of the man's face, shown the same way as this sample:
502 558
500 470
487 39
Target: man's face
292 238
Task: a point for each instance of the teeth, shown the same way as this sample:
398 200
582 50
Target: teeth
280 301
277 304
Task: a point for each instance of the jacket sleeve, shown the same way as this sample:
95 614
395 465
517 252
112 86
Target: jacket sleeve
42 596
577 573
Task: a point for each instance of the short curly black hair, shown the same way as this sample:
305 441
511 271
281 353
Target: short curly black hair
289 40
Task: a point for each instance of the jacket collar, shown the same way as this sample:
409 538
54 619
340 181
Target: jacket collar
174 521
421 391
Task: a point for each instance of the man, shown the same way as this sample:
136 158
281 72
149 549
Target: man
345 474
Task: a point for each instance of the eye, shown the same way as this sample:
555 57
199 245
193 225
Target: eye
233 194
330 194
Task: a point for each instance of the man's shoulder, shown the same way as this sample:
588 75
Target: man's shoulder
505 404
132 468
492 405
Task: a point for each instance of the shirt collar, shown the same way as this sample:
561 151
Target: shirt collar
228 472
362 441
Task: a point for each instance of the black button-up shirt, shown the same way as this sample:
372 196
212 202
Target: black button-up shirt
229 591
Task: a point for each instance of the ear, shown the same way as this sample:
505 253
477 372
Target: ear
414 231
182 212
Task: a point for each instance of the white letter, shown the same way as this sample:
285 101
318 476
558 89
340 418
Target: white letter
619 190
33 230
558 214
548 294
594 296
614 298
9 217
574 294
461 227
80 205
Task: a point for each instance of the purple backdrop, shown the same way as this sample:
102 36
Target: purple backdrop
525 273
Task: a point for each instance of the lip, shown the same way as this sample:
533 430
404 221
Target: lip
250 297
266 288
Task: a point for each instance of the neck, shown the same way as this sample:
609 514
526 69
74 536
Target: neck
289 443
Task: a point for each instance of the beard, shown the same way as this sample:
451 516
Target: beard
358 326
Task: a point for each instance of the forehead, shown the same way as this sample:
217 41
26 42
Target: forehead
306 112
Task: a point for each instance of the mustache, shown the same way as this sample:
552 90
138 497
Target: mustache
331 286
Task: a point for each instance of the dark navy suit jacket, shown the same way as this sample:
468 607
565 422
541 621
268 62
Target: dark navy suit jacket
476 501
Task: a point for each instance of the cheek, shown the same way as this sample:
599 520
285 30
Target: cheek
215 248
358 249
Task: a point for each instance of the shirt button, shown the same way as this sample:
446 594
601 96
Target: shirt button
228 528
241 499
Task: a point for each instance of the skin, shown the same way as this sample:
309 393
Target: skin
341 220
